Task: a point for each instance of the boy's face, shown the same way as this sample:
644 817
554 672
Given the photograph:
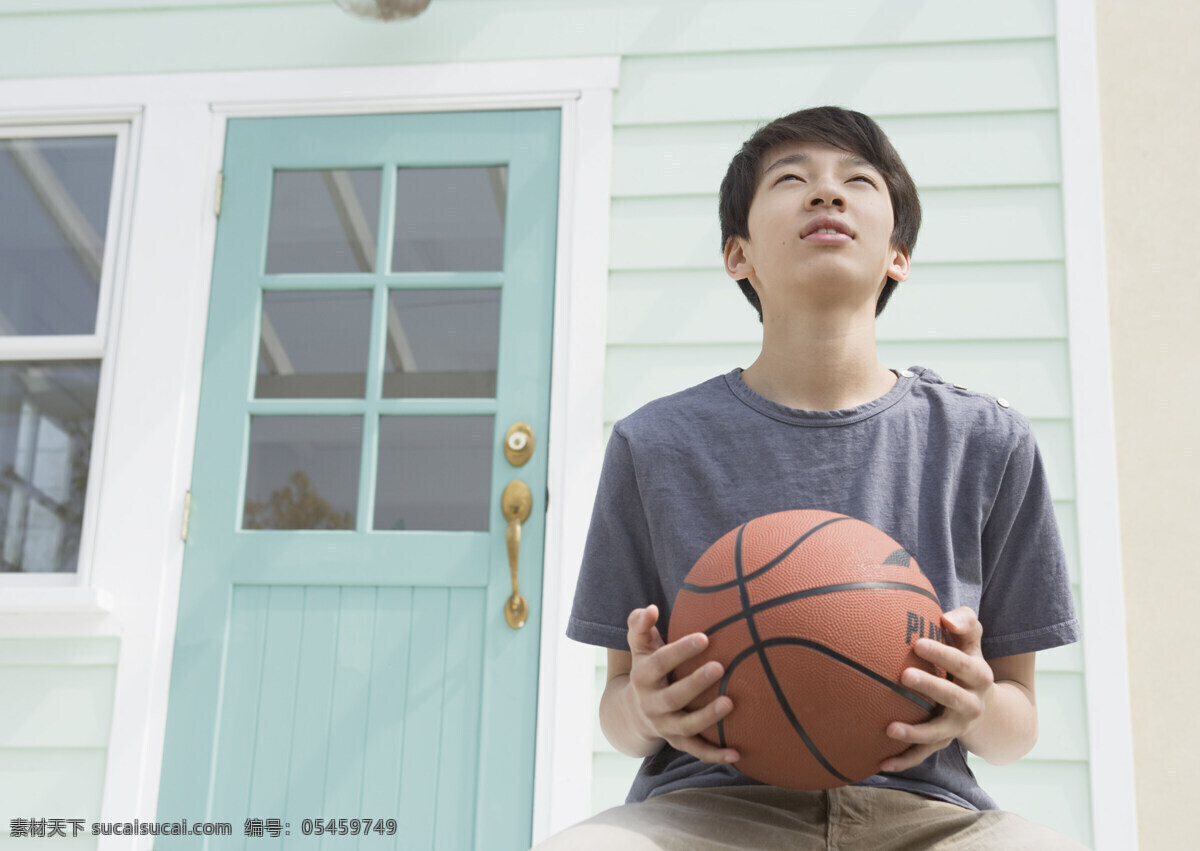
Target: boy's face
820 232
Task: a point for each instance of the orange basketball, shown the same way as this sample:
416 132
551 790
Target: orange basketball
812 614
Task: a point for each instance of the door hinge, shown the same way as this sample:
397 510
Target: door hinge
187 516
220 191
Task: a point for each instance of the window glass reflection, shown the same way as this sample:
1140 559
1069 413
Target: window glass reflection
313 345
450 219
324 221
54 200
434 473
442 343
302 472
47 413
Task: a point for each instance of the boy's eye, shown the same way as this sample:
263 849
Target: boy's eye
863 178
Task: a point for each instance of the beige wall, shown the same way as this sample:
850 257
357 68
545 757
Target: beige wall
1150 129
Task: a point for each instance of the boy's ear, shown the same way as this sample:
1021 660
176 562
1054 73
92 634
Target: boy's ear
898 269
737 265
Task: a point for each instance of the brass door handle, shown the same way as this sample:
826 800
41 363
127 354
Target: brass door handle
516 502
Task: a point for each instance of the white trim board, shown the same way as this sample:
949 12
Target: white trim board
566 707
1110 729
178 123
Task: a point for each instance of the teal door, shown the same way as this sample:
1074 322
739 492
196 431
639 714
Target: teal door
344 672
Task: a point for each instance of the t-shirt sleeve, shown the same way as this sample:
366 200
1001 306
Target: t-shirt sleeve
618 572
1026 604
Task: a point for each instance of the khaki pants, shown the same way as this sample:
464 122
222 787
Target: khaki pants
851 818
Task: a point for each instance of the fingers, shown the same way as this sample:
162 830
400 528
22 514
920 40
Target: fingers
962 693
939 731
704 750
909 758
964 625
684 724
970 671
926 739
662 704
953 695
666 712
659 664
683 691
683 731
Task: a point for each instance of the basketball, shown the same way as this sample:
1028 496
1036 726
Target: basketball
813 616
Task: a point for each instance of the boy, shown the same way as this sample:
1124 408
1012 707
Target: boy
819 218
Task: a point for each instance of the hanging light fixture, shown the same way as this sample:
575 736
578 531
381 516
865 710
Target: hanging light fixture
384 10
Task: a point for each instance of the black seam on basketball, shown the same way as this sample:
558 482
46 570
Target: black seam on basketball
907 694
757 646
725 586
783 704
817 592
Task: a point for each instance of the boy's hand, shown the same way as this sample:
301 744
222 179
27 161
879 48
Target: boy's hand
963 695
660 705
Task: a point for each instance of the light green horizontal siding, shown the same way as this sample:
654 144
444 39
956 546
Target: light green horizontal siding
995 301
54 39
56 706
55 716
887 80
58 651
48 783
1001 149
1051 793
958 226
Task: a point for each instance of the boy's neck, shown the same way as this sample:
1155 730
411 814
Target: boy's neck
819 362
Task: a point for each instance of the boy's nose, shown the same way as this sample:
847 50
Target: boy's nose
826 193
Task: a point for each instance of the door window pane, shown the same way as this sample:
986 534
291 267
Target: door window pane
313 345
324 221
54 199
442 343
47 411
302 472
434 473
450 219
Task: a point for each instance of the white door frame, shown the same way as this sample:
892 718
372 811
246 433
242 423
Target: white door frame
131 588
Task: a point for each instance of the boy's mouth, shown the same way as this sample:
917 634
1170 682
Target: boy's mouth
826 229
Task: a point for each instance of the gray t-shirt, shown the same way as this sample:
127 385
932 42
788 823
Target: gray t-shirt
950 474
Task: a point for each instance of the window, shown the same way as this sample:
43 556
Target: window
59 204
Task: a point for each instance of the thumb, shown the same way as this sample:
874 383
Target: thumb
644 637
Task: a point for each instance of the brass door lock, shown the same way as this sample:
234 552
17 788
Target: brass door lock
518 444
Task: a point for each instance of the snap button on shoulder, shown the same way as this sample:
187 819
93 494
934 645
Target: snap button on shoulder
1003 403
961 386
907 373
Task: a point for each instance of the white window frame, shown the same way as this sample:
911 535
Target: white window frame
178 126
24 592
